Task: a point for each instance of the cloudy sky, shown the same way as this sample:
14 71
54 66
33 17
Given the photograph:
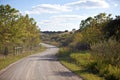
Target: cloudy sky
60 15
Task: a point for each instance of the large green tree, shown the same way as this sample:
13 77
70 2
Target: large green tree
17 30
92 28
112 29
8 16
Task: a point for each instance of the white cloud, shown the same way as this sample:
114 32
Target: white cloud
61 22
56 26
88 4
57 8
48 8
115 4
67 18
63 19
64 22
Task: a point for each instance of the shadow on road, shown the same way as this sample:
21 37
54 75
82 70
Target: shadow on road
47 57
65 73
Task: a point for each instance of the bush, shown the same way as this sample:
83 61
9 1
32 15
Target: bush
106 57
81 59
107 52
113 73
64 52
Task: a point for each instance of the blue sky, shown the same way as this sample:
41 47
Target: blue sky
60 15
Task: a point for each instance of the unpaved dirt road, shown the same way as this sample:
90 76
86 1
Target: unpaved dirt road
42 66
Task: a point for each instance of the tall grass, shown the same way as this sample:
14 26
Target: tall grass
102 60
106 57
64 52
77 63
81 59
107 52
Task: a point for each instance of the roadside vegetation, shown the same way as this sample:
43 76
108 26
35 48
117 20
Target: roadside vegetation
19 36
18 33
77 62
93 51
57 38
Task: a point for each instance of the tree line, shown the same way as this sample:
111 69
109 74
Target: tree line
101 27
17 30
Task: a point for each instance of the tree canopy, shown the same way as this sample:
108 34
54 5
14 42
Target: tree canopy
16 29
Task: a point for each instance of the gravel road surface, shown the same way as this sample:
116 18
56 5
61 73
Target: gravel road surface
41 66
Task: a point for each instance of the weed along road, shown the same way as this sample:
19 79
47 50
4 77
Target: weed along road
42 66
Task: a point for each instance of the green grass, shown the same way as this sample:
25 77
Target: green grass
77 63
80 71
7 60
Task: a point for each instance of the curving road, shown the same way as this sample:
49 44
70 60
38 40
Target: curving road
42 66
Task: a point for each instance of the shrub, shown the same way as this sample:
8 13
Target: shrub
81 59
113 73
64 52
107 52
106 57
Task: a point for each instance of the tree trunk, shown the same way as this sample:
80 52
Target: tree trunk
5 51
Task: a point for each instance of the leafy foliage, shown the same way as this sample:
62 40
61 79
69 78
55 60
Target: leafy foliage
16 30
107 52
112 29
62 38
101 35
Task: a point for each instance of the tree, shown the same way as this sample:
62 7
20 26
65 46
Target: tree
85 23
91 31
7 17
17 30
92 28
112 29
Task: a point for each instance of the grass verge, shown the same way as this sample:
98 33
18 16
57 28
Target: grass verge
80 71
77 63
7 60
